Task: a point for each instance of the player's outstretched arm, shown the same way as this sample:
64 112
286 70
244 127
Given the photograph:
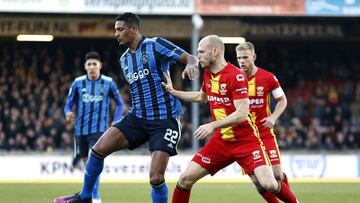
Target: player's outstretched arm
198 97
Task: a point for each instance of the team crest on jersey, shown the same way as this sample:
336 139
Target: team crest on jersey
145 58
222 88
256 154
273 154
260 91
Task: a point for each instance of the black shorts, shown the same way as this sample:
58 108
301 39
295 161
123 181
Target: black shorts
163 135
83 143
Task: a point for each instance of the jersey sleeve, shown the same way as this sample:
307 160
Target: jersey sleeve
239 86
124 69
168 50
119 101
273 82
71 98
274 86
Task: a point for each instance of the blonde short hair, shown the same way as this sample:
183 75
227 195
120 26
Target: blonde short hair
245 46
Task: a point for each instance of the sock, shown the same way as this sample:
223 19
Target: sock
94 166
159 193
181 195
95 191
268 196
286 181
284 193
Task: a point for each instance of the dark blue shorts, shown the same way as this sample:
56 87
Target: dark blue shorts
163 135
83 143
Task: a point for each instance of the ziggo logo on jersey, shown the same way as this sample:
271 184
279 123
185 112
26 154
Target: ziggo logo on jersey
91 98
132 77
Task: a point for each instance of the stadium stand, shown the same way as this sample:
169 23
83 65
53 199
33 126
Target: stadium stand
324 94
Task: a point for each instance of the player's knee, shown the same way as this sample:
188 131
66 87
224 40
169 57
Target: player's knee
255 181
97 153
186 181
99 149
156 179
269 184
279 175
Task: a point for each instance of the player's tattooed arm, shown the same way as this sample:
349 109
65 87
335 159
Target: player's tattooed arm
191 70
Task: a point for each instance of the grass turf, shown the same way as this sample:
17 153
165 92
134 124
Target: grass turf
201 193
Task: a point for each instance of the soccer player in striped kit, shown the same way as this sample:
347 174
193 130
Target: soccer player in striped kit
154 112
91 93
235 137
261 84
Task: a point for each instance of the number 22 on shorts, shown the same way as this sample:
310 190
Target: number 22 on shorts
171 135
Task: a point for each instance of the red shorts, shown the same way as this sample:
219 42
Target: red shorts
272 150
217 154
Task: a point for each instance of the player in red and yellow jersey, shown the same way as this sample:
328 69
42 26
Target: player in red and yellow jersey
263 84
235 136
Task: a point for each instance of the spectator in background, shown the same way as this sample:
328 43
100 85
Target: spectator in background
308 90
91 94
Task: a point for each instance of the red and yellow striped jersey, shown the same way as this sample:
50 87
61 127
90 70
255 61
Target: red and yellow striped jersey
222 89
260 87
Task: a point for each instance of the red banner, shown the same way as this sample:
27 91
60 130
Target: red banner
250 7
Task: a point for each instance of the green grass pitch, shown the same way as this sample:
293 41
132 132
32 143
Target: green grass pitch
201 193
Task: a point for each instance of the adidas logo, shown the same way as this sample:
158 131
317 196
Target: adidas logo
170 145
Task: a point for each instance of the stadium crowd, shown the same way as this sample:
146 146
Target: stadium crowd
323 94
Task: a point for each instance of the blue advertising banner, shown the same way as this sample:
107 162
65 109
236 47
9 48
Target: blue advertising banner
332 7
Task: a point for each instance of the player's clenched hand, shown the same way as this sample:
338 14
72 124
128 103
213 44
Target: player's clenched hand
268 122
168 86
203 131
191 71
70 117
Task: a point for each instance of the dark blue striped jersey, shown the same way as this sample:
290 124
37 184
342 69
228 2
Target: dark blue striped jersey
92 98
144 70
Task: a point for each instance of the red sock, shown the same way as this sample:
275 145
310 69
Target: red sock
286 180
181 195
285 194
269 197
